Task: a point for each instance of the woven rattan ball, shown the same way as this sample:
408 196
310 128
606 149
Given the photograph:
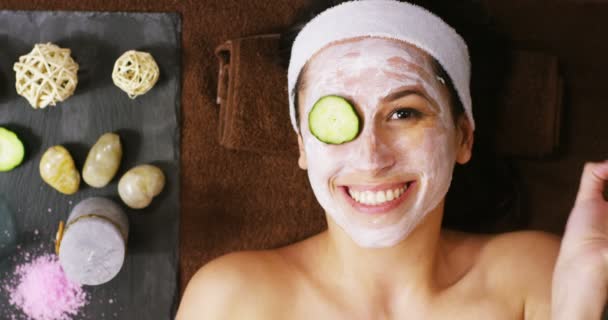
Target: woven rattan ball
135 72
46 75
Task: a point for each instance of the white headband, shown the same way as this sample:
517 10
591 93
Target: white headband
388 19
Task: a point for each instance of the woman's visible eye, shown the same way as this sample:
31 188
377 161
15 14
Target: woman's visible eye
405 113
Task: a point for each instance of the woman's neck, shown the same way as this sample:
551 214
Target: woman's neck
406 269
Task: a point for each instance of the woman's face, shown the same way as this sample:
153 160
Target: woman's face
379 186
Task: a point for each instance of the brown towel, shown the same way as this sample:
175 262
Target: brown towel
529 117
252 94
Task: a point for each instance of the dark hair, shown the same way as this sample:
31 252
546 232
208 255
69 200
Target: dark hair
483 196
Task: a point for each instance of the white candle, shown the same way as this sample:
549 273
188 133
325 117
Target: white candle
93 246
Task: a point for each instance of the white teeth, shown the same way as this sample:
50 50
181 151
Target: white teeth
378 197
370 197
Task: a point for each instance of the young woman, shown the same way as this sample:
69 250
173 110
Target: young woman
379 95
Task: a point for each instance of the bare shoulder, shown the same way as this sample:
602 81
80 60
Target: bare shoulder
520 265
235 286
522 252
507 255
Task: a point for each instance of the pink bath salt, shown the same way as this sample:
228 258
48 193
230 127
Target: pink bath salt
43 292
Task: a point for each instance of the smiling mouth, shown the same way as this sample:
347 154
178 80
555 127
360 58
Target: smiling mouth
377 199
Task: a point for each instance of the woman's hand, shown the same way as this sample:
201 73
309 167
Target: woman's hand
580 279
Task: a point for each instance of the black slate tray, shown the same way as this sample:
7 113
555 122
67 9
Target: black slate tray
146 287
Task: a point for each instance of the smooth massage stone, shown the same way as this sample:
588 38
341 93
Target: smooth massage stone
139 185
93 247
103 161
57 168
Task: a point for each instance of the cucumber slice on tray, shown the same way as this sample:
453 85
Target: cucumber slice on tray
11 150
333 120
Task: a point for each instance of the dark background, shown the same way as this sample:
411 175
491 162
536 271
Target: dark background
233 200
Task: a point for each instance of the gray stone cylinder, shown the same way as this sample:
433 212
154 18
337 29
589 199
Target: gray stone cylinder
94 243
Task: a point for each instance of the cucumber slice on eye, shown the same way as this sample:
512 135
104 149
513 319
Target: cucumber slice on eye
11 150
333 120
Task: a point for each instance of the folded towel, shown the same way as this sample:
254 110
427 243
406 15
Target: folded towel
252 94
529 116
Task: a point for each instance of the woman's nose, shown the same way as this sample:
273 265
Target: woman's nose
374 155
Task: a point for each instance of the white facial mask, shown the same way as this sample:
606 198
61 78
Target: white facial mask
386 151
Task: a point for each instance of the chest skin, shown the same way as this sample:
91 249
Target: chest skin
483 277
467 301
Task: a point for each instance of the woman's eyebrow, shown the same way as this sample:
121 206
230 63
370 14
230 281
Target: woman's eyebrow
403 92
400 94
